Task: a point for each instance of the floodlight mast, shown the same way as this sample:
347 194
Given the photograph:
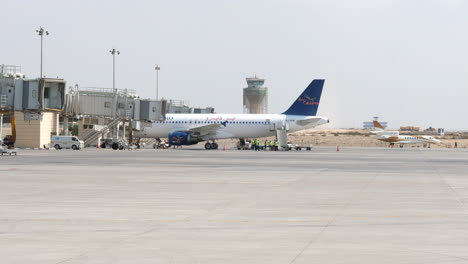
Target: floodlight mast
113 52
157 68
41 31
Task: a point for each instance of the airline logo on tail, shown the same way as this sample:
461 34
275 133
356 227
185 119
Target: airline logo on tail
307 100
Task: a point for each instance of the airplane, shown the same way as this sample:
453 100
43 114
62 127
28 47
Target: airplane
393 137
190 129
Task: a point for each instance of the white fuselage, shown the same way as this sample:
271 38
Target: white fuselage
232 125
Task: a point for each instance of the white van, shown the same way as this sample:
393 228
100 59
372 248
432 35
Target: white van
60 142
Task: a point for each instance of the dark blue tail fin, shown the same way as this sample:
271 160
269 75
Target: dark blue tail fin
308 102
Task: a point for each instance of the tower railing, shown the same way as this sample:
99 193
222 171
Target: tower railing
9 69
130 92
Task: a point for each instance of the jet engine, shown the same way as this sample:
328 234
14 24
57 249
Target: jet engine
181 138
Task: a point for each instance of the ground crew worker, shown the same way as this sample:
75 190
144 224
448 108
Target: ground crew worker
257 145
265 145
276 145
270 145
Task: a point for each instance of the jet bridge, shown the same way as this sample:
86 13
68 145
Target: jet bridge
110 113
35 105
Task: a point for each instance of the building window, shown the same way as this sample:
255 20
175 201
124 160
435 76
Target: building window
107 104
47 92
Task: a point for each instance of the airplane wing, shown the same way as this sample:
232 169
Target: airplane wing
308 121
202 130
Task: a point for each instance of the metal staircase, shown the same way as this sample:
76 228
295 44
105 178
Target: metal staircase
95 135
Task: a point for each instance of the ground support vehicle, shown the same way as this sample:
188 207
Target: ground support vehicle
67 142
299 148
8 141
7 151
116 144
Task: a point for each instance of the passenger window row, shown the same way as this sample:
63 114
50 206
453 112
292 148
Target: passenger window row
213 122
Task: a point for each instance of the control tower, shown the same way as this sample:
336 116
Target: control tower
255 96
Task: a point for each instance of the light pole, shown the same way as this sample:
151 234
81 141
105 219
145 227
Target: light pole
157 80
113 52
41 33
114 101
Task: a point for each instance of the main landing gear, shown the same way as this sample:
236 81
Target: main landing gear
209 145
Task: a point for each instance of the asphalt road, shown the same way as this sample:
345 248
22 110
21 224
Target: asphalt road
359 205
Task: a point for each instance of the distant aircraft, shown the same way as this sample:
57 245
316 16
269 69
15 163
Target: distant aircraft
393 137
189 129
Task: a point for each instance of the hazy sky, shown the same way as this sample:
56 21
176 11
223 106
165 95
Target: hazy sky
403 60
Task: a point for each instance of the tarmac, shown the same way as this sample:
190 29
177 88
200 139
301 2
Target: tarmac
358 205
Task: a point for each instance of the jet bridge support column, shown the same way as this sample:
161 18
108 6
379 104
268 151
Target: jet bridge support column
1 126
65 126
117 131
282 135
123 126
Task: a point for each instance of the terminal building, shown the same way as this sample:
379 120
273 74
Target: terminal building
255 96
205 110
183 107
410 128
